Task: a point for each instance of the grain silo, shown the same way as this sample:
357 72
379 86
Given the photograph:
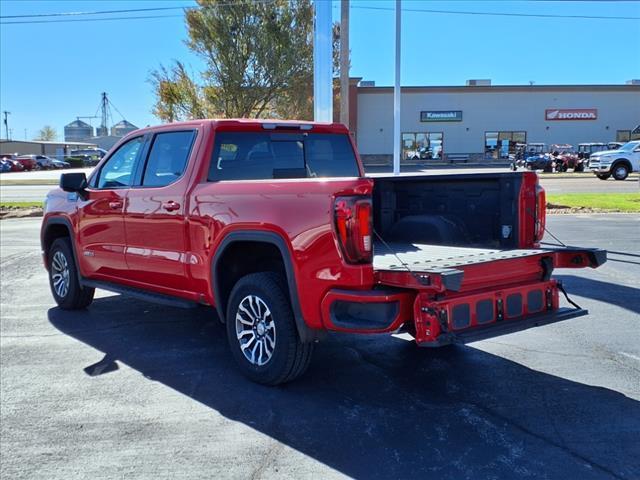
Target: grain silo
121 128
77 131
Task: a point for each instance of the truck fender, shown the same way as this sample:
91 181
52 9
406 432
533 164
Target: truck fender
306 334
66 223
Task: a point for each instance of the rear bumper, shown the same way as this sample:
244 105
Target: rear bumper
366 311
505 327
437 314
457 318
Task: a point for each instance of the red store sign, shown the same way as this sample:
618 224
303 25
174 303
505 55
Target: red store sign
571 114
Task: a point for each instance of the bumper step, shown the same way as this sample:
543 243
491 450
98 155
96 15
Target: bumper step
505 327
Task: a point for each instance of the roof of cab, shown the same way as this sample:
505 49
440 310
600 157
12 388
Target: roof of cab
255 124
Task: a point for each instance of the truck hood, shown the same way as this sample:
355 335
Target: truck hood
607 152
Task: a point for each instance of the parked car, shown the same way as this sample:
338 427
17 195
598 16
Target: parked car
43 162
5 166
565 157
14 164
276 226
90 156
616 163
60 163
28 162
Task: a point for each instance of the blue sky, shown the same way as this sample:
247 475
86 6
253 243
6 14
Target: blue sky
50 74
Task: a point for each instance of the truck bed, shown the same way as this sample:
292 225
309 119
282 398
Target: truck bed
396 256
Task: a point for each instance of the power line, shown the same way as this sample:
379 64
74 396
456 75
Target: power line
89 19
130 10
498 14
103 12
362 7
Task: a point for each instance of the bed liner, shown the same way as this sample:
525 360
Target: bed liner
394 256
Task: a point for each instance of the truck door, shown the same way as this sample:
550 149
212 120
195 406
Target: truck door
100 215
154 216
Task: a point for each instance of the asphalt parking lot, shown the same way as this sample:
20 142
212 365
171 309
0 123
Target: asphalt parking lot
128 389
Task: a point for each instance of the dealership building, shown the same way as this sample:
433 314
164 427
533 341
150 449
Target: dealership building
484 122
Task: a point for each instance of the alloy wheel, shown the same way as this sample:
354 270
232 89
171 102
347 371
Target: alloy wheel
255 330
60 274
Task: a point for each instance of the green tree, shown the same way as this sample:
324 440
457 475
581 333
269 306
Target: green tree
258 57
47 134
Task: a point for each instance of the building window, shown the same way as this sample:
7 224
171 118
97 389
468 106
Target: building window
623 135
502 144
421 146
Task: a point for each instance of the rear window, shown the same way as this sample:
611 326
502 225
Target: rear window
256 156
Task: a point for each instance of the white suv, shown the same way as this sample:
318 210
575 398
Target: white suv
617 163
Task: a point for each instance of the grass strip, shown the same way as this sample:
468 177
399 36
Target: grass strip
29 181
7 205
610 202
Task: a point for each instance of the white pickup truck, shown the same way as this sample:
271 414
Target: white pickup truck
617 163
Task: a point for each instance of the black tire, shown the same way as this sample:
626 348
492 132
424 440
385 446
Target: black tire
61 259
579 168
620 171
603 176
290 357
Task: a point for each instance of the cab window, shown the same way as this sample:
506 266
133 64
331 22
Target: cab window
118 171
167 158
261 156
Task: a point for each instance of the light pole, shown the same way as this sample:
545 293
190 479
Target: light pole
396 94
322 62
344 62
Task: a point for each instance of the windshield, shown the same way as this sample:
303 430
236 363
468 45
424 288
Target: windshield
628 147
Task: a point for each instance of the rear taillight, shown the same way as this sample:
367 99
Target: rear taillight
353 225
540 214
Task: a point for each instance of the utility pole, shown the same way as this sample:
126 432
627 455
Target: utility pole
344 62
6 124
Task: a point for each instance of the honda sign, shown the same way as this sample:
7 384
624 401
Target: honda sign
571 114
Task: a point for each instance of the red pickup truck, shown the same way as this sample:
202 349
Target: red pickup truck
276 226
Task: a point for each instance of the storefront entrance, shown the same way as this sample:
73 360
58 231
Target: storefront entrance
422 147
499 145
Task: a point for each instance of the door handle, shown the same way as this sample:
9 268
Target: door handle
170 206
115 205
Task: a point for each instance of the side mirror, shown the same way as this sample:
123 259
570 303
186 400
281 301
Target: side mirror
74 182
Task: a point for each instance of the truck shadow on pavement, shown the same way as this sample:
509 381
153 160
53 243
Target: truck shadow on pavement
378 407
619 295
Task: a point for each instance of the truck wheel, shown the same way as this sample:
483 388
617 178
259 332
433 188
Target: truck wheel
620 171
262 333
63 278
603 176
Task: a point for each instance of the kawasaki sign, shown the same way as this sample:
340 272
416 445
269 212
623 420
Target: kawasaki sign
441 116
571 114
